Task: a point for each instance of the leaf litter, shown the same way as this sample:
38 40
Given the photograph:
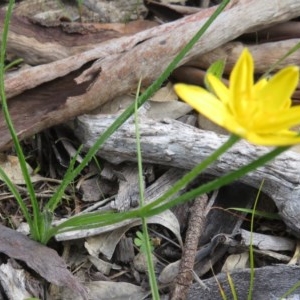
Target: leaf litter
43 260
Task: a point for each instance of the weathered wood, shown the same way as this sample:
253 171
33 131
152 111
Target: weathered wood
176 144
267 242
265 55
15 281
279 32
85 10
37 44
269 283
113 74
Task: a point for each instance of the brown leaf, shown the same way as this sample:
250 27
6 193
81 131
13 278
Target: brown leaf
45 261
11 166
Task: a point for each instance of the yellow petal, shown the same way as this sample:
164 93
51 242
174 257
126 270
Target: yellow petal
202 101
280 121
220 89
260 84
280 139
241 83
277 92
233 126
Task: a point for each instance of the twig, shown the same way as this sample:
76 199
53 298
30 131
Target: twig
184 278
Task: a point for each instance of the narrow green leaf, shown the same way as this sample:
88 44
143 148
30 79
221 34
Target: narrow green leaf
216 69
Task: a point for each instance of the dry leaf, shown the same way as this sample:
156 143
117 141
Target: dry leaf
170 110
45 261
165 94
116 105
236 261
106 243
102 266
11 166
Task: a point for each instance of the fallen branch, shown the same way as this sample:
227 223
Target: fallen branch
265 55
173 143
283 278
53 93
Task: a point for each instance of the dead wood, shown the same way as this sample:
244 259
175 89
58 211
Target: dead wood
185 276
265 55
173 143
279 32
267 242
269 283
69 87
38 44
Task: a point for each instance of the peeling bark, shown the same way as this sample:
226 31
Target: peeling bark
118 65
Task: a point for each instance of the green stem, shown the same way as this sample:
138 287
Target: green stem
290 291
154 207
251 250
196 171
150 264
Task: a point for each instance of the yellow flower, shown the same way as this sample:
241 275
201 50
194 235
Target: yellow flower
261 112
